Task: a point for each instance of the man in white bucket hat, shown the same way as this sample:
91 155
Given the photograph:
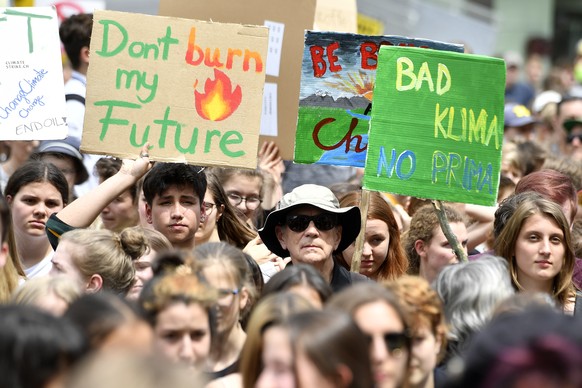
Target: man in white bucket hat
308 225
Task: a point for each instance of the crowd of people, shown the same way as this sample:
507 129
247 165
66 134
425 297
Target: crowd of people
168 274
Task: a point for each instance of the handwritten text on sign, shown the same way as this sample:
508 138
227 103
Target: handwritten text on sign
32 98
437 125
337 82
191 89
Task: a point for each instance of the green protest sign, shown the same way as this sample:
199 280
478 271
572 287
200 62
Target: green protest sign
437 125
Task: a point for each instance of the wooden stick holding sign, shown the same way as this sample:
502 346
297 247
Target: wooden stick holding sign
357 257
439 208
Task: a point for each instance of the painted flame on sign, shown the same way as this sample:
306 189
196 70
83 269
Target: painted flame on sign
219 100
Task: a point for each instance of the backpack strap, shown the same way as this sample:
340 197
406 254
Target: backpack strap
75 97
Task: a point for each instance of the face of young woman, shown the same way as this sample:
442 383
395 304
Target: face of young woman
247 187
375 248
377 319
143 273
212 214
31 207
539 250
277 360
425 350
64 264
182 334
232 297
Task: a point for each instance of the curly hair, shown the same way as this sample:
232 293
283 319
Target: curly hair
423 306
422 227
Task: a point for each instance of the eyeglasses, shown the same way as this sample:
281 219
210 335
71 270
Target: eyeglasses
224 294
571 138
251 202
323 221
208 206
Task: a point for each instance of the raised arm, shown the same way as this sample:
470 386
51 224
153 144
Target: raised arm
82 212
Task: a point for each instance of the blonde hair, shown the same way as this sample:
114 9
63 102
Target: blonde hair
60 285
108 254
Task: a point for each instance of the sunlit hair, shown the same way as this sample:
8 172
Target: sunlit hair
107 254
34 289
232 260
330 339
226 174
296 275
423 225
505 243
175 280
422 305
553 185
271 310
230 227
352 298
154 239
470 291
396 262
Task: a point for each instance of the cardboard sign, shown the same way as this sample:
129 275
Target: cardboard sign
336 15
337 82
32 97
287 21
437 125
191 89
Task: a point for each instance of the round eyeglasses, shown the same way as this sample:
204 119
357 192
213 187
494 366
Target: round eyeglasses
251 203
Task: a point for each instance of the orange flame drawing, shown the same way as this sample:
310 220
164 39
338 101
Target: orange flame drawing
218 100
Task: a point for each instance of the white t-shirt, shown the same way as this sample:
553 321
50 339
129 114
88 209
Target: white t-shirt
41 268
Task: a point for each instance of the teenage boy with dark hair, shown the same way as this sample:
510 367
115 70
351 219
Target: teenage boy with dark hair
174 195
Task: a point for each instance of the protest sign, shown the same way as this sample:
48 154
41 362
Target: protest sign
336 15
437 125
32 97
191 89
337 81
287 21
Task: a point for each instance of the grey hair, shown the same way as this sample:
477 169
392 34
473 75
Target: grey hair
470 293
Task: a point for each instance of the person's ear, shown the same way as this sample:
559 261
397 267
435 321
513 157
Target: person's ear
345 376
280 237
219 212
94 284
244 298
419 247
9 200
84 54
3 254
148 210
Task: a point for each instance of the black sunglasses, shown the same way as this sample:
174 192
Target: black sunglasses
323 221
571 138
396 343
